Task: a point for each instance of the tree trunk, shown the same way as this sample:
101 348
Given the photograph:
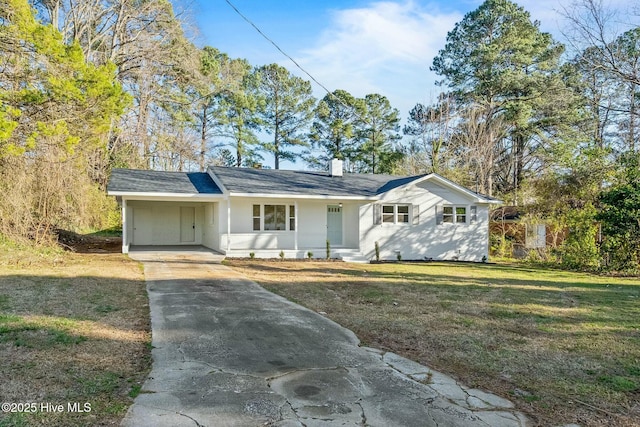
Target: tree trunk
276 146
203 139
632 121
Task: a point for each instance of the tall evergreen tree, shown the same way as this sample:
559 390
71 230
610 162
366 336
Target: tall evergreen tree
238 115
377 131
287 112
498 59
219 75
333 132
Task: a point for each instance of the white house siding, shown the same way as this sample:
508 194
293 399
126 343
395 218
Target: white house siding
211 226
311 221
163 227
426 239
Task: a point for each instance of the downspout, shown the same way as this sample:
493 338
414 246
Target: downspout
125 237
228 224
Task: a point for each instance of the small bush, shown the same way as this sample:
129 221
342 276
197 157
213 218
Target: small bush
281 255
501 245
252 255
309 255
377 248
399 256
579 250
328 249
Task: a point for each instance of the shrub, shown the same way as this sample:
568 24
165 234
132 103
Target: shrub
619 215
377 248
252 255
309 254
328 249
579 249
281 255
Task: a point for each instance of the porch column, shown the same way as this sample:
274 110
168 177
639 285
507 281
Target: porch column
295 222
228 225
125 237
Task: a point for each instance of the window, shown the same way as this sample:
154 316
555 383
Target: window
292 217
256 217
455 214
395 214
403 214
387 213
273 217
447 214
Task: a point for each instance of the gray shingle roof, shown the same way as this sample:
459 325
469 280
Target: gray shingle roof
271 181
259 181
145 181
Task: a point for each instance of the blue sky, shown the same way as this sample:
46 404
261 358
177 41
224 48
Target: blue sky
360 46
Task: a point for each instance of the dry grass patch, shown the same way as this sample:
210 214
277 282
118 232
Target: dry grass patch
565 347
73 328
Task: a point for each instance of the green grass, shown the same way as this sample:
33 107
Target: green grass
108 232
564 346
73 328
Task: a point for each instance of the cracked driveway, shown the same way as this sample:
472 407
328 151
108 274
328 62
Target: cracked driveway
226 352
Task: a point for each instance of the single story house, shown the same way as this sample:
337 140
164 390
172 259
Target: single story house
238 211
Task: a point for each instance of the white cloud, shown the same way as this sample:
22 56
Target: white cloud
385 48
388 46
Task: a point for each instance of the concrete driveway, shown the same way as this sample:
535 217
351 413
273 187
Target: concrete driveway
229 353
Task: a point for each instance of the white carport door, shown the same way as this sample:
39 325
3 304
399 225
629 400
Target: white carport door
187 224
142 223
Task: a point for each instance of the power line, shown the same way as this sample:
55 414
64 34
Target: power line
276 46
293 60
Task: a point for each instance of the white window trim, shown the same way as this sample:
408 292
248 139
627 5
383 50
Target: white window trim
287 217
467 214
395 214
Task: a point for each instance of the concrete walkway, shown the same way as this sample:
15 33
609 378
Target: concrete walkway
229 353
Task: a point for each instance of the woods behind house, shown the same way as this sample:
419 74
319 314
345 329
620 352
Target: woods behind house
550 126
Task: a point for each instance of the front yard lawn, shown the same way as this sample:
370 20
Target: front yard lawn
74 330
563 346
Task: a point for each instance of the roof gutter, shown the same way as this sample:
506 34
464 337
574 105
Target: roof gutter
303 196
139 195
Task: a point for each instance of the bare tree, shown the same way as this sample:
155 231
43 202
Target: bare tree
595 26
609 46
475 142
430 129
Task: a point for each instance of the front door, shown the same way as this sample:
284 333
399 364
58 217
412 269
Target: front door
187 224
142 223
334 225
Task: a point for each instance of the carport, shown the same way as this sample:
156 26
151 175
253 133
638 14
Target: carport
166 208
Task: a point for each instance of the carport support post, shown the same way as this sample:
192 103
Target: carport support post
295 226
125 243
228 225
